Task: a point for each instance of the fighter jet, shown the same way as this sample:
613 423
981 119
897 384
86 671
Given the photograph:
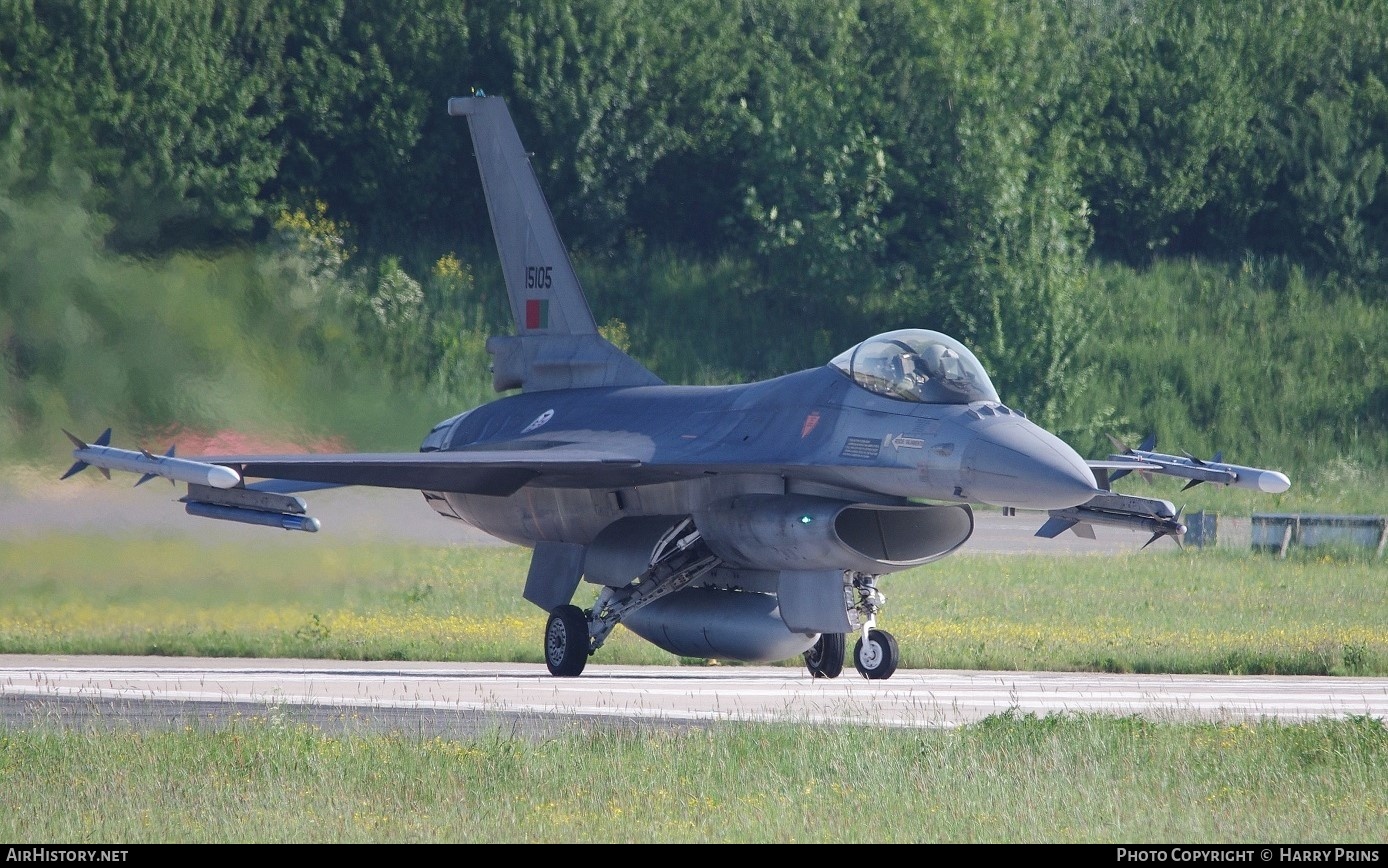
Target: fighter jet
744 522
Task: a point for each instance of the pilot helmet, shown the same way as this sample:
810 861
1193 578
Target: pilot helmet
940 361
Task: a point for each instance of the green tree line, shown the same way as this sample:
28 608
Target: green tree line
855 164
823 135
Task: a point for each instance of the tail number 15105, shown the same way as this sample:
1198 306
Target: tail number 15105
539 276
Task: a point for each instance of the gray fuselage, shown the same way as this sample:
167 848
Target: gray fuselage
811 432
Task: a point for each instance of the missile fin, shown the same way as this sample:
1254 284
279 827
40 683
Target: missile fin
1176 530
148 476
1054 527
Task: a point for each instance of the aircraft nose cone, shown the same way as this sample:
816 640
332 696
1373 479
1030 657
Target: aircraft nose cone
1013 462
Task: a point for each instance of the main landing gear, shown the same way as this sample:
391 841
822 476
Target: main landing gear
825 657
875 654
572 634
566 641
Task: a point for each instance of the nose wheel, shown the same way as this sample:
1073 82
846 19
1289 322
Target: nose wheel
875 656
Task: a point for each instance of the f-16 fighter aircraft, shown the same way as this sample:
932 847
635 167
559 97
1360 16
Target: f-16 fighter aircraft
739 522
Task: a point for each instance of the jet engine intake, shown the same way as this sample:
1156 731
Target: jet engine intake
802 532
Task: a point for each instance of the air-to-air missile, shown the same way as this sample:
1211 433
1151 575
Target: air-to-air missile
1197 471
214 491
1160 517
104 457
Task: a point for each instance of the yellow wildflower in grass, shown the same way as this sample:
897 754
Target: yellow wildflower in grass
1031 635
379 626
108 619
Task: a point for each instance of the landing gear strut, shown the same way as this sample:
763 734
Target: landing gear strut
875 655
573 634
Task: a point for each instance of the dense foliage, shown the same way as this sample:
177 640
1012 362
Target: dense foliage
813 170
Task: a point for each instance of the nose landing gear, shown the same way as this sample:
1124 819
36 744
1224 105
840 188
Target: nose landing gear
875 655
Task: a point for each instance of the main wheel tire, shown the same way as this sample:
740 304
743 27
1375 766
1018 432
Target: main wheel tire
877 658
566 642
825 657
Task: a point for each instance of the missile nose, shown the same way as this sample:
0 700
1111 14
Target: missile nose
1273 482
219 476
1013 462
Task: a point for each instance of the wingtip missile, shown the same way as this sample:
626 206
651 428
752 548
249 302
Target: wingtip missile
1273 481
1196 470
1126 451
106 458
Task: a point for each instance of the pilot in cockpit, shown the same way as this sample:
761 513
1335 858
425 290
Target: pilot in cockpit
908 372
936 362
940 362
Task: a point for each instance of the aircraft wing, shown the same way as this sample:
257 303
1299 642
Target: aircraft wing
496 472
490 472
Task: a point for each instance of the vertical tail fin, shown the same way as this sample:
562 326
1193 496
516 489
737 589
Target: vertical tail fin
557 344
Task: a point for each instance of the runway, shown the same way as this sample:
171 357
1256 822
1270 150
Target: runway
466 698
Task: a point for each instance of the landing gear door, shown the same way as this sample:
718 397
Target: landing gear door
555 569
813 601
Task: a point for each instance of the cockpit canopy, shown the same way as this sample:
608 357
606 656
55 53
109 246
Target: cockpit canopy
917 365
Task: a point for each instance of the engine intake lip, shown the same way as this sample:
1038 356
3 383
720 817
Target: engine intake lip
796 532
